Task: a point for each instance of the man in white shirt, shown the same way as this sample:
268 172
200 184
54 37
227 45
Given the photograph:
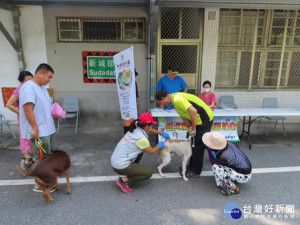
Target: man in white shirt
36 120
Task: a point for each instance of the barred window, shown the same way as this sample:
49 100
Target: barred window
258 49
101 29
180 23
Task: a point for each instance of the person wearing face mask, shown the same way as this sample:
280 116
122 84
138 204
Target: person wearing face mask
208 97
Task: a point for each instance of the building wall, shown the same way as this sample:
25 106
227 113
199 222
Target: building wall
8 61
95 100
33 36
243 99
34 48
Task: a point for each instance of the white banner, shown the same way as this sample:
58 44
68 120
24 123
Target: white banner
125 80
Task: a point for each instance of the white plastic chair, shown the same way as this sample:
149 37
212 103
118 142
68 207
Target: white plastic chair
71 106
272 103
4 121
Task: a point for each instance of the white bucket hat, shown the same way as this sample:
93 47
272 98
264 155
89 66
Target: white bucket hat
214 140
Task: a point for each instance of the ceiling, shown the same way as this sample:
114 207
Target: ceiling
129 3
265 4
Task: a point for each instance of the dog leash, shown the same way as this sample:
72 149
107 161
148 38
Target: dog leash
192 139
39 144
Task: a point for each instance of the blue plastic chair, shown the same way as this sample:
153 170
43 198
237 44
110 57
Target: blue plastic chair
6 122
227 101
272 103
71 106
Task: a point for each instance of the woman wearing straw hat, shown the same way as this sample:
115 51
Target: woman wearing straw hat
129 151
230 164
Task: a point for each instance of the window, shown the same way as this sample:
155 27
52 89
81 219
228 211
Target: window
101 29
180 23
69 30
258 49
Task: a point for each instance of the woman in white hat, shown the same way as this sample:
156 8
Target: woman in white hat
230 164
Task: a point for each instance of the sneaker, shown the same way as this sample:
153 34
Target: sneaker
124 186
39 189
191 174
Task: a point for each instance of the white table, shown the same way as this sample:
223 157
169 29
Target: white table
244 112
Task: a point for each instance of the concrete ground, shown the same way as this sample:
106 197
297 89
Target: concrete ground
271 197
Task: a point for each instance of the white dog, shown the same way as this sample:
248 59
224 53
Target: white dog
180 147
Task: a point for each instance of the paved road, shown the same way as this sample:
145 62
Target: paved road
157 201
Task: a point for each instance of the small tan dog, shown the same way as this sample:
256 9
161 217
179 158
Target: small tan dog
26 163
180 147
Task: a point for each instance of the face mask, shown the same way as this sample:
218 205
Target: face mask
206 89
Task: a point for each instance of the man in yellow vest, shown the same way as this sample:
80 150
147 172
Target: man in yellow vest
198 117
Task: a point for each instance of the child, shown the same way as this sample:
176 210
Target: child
129 151
230 164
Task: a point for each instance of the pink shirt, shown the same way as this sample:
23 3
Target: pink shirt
208 99
16 93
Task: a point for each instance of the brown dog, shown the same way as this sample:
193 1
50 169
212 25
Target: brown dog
47 171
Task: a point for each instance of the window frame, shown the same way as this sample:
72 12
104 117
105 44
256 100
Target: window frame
82 20
284 63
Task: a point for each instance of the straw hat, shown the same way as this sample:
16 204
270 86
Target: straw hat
214 140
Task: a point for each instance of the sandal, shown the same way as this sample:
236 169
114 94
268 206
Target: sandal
230 191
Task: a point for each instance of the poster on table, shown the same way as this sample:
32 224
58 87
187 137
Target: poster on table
227 126
176 129
125 79
173 126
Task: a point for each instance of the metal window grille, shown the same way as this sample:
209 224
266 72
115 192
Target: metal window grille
258 49
237 27
190 23
92 29
289 20
180 43
170 23
180 23
69 29
184 56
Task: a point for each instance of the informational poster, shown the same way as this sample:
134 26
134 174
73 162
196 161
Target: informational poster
173 126
98 67
125 77
6 93
227 126
176 129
